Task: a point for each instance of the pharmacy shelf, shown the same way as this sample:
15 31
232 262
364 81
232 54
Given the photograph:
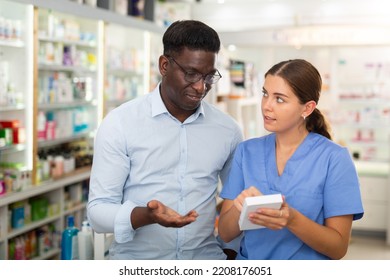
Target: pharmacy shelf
34 190
90 44
65 68
16 79
69 88
13 44
12 148
126 72
32 226
55 190
88 12
374 169
66 105
63 140
103 24
12 108
246 111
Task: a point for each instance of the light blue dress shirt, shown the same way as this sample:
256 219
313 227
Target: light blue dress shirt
319 180
142 153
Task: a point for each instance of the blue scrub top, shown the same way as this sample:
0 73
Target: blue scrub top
319 180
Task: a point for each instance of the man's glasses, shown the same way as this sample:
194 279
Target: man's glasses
193 77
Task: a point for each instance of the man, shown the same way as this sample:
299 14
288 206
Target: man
158 158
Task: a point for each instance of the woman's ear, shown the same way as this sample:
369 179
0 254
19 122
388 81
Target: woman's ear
309 108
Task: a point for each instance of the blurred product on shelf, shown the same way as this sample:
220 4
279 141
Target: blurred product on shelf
69 241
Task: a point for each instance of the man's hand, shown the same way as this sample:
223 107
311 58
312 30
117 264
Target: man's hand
157 212
167 217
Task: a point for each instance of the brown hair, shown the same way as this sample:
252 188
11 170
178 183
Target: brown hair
305 81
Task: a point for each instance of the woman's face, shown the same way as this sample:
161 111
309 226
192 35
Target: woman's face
181 97
281 109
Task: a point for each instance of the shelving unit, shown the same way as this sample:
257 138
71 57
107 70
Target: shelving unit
127 73
374 181
126 68
60 204
58 65
247 112
363 109
16 82
361 120
68 85
154 49
15 105
237 93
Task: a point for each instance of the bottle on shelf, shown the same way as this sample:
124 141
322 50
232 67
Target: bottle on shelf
85 240
69 242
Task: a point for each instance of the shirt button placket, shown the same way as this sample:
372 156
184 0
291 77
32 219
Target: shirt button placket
182 170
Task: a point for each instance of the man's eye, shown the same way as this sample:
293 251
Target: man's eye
192 75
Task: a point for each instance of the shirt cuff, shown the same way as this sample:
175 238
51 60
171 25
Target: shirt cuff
123 230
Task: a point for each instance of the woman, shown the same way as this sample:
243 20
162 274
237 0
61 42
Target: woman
316 177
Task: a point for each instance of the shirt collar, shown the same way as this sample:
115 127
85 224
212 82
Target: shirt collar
158 106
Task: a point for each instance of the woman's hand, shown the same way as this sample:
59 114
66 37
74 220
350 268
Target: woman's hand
230 213
239 200
272 218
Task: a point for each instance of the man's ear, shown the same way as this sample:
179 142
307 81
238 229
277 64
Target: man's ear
163 65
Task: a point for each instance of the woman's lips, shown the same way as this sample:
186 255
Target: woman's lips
268 119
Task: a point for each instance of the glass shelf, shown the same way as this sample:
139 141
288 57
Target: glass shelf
48 143
32 225
66 105
91 44
54 67
12 148
12 108
12 43
124 73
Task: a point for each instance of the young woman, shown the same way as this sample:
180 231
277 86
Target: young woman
316 176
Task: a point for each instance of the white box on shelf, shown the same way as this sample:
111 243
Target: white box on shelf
251 204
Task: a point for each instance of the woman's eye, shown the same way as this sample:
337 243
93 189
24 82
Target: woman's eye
265 94
279 100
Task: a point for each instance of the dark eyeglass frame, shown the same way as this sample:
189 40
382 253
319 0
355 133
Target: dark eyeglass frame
194 77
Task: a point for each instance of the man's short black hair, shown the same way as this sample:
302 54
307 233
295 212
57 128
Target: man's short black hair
191 34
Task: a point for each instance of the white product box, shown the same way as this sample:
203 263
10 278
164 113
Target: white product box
251 204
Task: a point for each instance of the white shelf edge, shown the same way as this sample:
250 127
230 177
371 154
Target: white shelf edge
44 187
63 140
48 254
65 68
65 105
88 12
12 43
91 44
33 225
